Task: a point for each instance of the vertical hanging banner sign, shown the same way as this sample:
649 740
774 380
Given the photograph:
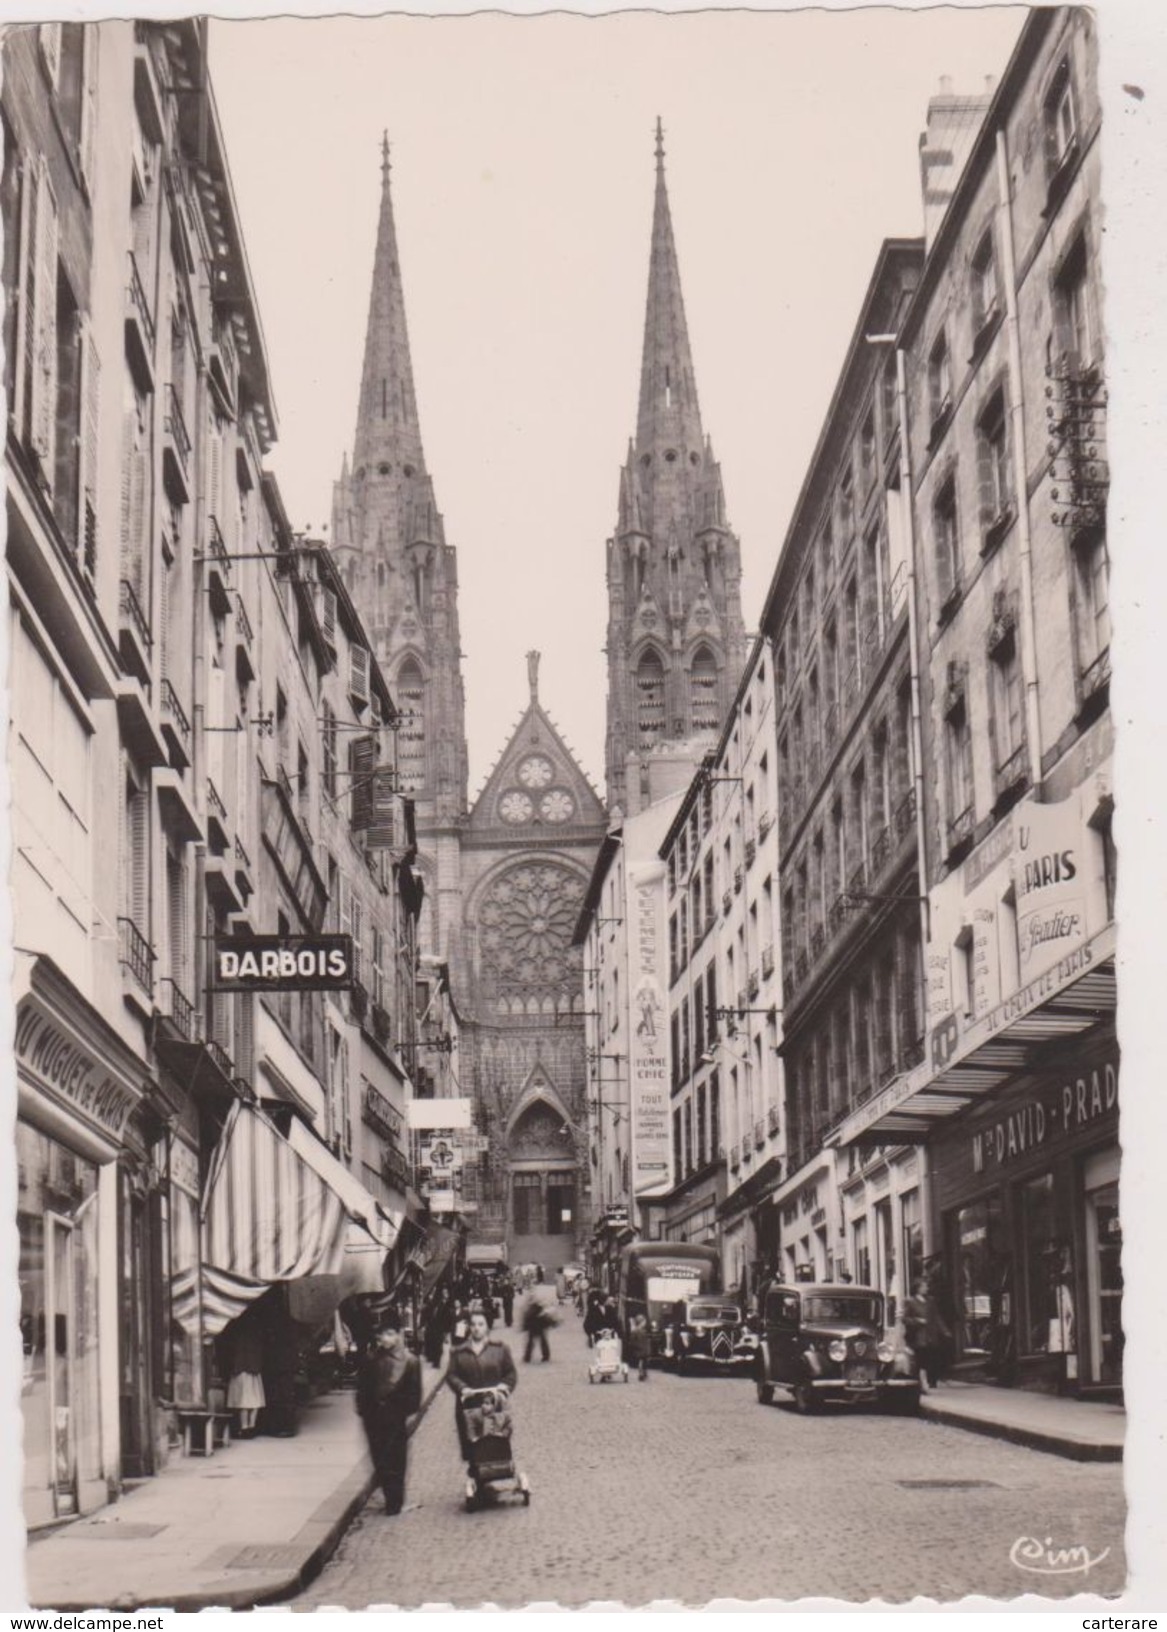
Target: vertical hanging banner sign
648 1062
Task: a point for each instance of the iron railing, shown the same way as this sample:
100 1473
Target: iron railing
136 954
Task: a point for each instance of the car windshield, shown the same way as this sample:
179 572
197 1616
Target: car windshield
714 1311
837 1306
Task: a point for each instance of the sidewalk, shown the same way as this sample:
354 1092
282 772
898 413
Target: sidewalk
244 1526
1081 1429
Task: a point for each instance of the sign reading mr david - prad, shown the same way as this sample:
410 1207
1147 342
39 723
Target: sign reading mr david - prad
284 963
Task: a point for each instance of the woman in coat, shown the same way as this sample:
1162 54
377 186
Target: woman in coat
388 1394
482 1361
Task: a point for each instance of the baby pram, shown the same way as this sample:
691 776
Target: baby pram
607 1361
486 1414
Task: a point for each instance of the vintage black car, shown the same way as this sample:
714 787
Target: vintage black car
708 1330
823 1341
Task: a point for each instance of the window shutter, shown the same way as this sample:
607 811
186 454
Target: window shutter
346 1108
344 916
216 476
358 934
139 871
87 465
26 272
44 399
987 510
91 38
362 762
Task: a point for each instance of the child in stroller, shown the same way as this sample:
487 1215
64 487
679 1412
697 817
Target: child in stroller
491 1471
607 1358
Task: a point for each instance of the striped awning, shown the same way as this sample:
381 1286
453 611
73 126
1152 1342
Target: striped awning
268 1216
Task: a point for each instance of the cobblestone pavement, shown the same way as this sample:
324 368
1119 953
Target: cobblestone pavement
685 1489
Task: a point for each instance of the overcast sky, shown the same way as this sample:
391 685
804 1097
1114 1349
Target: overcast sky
522 181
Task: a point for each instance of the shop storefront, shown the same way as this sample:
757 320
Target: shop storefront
82 1095
1026 1194
883 1220
812 1246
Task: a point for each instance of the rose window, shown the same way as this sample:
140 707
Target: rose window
556 806
516 807
525 926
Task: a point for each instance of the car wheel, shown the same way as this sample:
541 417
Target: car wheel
804 1399
765 1390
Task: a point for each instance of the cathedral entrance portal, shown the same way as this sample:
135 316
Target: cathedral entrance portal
543 1206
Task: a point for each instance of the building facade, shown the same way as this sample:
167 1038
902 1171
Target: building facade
851 929
168 672
622 932
1017 1099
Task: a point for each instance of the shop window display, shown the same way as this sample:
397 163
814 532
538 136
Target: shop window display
1040 1331
57 1215
981 1299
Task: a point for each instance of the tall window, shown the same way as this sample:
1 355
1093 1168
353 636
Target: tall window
958 765
411 737
993 473
1076 326
1092 586
704 713
983 283
1061 121
946 537
328 765
1008 718
650 699
939 379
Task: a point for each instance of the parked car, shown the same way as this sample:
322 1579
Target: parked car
709 1330
822 1341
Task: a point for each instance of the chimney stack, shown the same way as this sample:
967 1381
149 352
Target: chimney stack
952 126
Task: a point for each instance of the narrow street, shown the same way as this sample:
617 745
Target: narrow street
686 1489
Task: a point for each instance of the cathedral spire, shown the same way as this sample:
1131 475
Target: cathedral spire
668 416
387 425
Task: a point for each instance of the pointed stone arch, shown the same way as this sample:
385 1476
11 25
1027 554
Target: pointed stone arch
704 680
410 689
650 677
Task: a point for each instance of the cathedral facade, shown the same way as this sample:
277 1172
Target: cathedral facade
506 873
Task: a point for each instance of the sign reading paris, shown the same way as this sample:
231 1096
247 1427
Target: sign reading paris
284 963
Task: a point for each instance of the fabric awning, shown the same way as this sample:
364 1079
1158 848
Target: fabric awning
268 1216
358 1203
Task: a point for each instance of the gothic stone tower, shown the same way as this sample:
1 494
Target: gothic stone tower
676 641
390 545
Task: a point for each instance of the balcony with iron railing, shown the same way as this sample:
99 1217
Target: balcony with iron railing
177 1008
135 641
1009 777
773 1120
751 851
176 449
960 829
136 956
244 643
767 962
175 726
218 822
880 850
759 1133
140 330
218 569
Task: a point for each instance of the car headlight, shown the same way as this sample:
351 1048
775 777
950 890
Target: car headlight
838 1350
886 1352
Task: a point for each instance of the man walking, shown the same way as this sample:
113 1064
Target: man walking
388 1394
537 1322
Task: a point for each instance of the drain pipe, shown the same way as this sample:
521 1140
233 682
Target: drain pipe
1020 467
909 530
